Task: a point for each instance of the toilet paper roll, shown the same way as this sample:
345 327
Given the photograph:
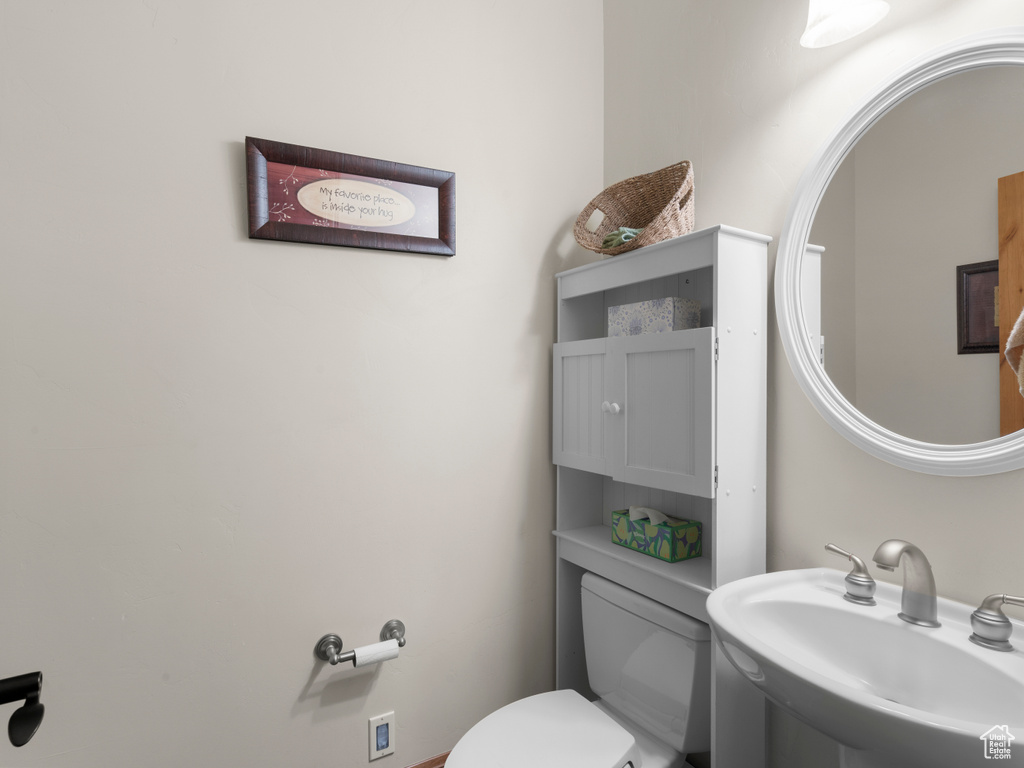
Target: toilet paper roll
376 653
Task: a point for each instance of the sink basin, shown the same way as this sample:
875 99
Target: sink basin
891 693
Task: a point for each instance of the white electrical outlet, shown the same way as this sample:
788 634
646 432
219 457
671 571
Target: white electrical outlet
382 735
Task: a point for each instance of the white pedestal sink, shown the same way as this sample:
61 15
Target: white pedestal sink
891 693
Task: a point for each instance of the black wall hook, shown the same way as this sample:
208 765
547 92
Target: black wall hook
26 719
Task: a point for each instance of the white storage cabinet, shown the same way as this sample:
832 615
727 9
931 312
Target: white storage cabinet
674 421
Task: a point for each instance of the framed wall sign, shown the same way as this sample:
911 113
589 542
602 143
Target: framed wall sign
308 195
977 329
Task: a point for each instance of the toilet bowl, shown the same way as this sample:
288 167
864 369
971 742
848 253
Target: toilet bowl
650 668
560 728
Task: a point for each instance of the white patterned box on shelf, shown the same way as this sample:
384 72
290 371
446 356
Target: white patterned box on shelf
654 316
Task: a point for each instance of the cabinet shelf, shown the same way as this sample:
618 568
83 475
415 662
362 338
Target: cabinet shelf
683 586
674 420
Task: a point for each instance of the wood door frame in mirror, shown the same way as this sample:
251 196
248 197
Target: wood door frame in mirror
1003 47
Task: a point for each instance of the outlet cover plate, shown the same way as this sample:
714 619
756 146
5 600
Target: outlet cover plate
382 735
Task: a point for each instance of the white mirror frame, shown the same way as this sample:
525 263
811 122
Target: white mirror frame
996 48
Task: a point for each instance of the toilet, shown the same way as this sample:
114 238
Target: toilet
651 668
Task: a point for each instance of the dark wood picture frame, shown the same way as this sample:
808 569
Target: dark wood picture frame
976 331
258 152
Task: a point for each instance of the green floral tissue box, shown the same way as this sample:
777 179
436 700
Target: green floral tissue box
671 541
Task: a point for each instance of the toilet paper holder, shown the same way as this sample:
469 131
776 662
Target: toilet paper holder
328 647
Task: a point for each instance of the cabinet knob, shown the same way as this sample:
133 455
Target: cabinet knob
612 408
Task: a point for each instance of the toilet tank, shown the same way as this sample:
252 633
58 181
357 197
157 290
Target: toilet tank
649 663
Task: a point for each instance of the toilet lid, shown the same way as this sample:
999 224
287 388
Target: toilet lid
560 729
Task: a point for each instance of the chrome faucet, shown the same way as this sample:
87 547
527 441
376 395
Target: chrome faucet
919 603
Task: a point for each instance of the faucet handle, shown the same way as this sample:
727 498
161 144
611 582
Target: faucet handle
860 587
991 627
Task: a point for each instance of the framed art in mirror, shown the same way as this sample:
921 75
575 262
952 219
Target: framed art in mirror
307 195
977 316
998 48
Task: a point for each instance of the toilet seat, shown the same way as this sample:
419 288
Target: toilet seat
560 729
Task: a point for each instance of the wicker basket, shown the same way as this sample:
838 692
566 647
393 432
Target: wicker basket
660 202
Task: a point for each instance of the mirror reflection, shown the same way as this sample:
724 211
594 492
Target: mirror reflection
917 197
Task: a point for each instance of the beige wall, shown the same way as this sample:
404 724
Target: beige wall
215 450
726 85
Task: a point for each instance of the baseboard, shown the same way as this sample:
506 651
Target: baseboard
433 762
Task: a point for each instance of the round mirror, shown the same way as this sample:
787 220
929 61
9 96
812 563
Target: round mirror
869 253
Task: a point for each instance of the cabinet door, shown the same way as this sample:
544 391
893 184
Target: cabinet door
578 421
662 433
